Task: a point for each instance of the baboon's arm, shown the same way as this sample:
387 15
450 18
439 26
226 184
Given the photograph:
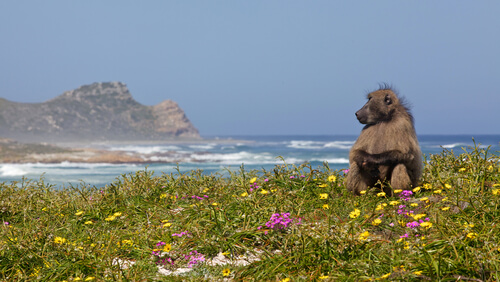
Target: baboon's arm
392 157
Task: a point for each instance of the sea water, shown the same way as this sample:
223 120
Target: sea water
223 154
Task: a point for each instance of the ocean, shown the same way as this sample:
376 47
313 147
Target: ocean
223 154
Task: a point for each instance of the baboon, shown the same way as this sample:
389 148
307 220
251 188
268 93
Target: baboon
387 148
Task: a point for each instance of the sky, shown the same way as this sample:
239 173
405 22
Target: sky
264 67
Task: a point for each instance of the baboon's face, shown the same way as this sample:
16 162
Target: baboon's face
380 106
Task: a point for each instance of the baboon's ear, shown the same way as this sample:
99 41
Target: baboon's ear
388 99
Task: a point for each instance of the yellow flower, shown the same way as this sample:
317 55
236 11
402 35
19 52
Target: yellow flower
323 185
462 169
414 205
59 240
285 280
244 194
323 277
490 168
362 193
447 186
419 216
394 203
214 204
205 190
117 214
162 196
167 248
89 222
90 278
263 192
424 199
44 209
472 235
110 218
381 194
385 276
355 213
226 272
77 279
376 221
495 191
426 224
323 196
445 208
325 207
445 199
363 236
438 191
167 224
418 272
381 207
253 180
427 186
79 213
332 178
416 189
398 191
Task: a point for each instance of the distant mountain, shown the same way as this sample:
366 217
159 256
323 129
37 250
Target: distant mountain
96 112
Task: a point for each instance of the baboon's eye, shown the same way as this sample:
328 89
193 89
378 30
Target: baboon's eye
388 100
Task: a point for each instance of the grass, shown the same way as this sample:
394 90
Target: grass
293 223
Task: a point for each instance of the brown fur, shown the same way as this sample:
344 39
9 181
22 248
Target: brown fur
387 148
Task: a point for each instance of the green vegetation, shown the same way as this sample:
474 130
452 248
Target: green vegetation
292 223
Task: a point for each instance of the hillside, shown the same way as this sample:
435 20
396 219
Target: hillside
96 112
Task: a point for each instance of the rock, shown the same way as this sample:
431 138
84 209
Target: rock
96 112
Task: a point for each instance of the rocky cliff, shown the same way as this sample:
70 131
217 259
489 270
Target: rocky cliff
96 112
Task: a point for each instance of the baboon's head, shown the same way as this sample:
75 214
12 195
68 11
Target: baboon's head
379 108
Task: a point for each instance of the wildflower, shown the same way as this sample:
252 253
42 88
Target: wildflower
323 185
445 199
380 207
424 199
362 193
167 248
495 192
244 194
472 235
427 186
426 224
59 240
285 280
345 171
445 208
462 169
414 205
397 191
323 196
376 221
253 180
117 214
438 191
167 224
214 204
447 186
394 203
205 190
264 192
332 178
490 168
88 222
79 213
355 213
416 189
418 272
326 207
363 236
385 276
162 196
419 216
90 278
226 272
381 194
110 218
413 224
323 277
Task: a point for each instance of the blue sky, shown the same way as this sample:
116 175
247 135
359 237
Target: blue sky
264 67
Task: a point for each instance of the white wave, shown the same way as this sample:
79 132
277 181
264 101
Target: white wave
145 149
334 160
11 170
203 146
304 144
340 144
451 146
234 158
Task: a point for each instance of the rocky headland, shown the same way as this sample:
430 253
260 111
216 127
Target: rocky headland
94 113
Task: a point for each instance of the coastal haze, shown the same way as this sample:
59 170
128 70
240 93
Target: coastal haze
91 90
